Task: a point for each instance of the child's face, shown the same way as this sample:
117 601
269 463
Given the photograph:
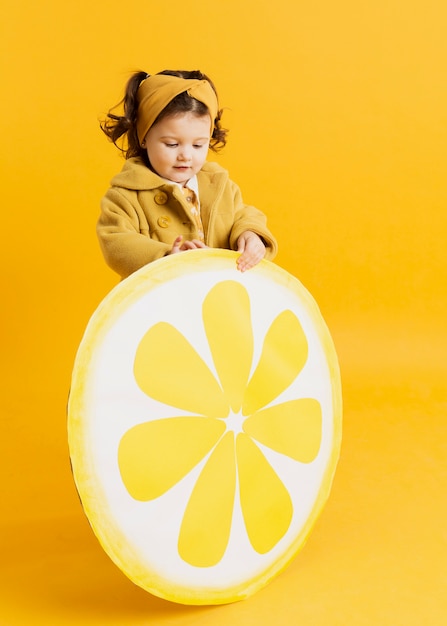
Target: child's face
177 146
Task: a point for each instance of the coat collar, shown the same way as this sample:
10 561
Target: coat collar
137 176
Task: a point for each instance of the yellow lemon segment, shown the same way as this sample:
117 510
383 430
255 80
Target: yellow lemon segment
230 336
284 354
154 456
167 367
266 503
207 521
293 428
206 504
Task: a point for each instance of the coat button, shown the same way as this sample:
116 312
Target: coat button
161 198
164 221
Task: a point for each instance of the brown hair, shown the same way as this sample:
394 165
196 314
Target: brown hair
125 126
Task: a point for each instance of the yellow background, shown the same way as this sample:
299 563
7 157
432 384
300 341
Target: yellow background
338 118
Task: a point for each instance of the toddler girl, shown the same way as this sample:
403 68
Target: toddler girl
168 198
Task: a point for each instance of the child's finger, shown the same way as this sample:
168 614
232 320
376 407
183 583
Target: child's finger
199 244
176 244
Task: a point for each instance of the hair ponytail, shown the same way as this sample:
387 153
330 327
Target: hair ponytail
117 126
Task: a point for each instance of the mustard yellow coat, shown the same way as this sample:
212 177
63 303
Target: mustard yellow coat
142 214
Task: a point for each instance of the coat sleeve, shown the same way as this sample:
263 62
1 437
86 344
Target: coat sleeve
247 217
123 235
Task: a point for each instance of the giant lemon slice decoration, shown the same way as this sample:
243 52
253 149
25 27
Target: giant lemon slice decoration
204 424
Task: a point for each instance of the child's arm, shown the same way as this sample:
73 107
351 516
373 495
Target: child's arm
249 234
124 246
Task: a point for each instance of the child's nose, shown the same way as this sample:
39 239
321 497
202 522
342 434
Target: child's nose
185 153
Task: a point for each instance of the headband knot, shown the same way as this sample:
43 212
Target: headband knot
156 92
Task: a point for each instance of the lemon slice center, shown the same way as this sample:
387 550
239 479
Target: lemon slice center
234 422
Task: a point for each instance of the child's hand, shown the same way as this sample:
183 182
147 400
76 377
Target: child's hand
180 246
252 250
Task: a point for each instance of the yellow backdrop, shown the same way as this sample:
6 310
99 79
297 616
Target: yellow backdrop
338 118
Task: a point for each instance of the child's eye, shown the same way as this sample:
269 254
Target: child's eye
198 145
171 145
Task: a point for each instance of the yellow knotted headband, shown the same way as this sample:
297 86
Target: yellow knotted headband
157 91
